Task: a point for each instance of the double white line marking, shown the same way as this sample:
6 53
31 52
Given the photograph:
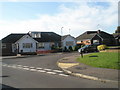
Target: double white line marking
37 69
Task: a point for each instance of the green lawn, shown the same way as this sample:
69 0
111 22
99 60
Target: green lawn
101 59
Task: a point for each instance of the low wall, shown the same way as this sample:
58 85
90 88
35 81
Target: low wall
45 51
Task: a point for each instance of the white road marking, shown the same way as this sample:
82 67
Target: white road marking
9 66
51 72
63 75
39 68
31 67
57 71
19 65
33 70
41 71
13 66
4 65
25 66
47 69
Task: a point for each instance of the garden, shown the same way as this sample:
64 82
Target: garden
108 58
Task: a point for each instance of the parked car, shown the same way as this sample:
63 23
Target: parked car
89 48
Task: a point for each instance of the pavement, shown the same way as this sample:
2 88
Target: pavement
70 66
19 56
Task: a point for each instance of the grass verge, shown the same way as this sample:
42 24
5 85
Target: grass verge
101 60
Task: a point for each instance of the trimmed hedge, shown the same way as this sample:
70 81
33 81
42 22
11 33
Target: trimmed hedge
101 47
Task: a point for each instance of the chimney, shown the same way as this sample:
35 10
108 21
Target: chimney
98 31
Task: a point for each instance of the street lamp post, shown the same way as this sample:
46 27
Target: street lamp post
61 38
69 31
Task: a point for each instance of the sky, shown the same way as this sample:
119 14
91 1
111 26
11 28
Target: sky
74 17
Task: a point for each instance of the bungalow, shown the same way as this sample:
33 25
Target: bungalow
90 37
18 43
31 42
45 40
67 41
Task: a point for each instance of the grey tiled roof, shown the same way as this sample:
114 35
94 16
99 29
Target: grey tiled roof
12 38
86 35
91 34
49 37
45 37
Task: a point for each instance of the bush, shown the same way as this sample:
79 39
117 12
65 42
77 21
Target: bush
65 49
53 47
75 48
101 47
70 48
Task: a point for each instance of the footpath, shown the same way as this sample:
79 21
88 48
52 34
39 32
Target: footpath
70 66
19 56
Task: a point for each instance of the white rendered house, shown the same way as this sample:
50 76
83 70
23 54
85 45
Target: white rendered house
67 41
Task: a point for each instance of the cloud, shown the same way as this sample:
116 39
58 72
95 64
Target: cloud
80 17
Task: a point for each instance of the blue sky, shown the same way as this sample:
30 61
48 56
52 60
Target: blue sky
21 17
29 10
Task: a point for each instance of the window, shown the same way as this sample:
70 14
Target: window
95 41
38 35
35 35
3 45
40 45
32 34
27 45
69 43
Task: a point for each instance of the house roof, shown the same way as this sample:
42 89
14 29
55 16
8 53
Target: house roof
12 38
63 37
91 34
48 37
86 35
116 35
45 37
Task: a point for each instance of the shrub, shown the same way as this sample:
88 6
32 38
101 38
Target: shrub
75 48
65 49
70 48
101 47
53 47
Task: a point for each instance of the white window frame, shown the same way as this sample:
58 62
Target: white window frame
27 45
95 41
40 45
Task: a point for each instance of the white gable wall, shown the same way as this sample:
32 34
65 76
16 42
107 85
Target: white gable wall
26 39
46 46
68 38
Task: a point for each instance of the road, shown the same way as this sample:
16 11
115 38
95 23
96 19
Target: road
42 72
